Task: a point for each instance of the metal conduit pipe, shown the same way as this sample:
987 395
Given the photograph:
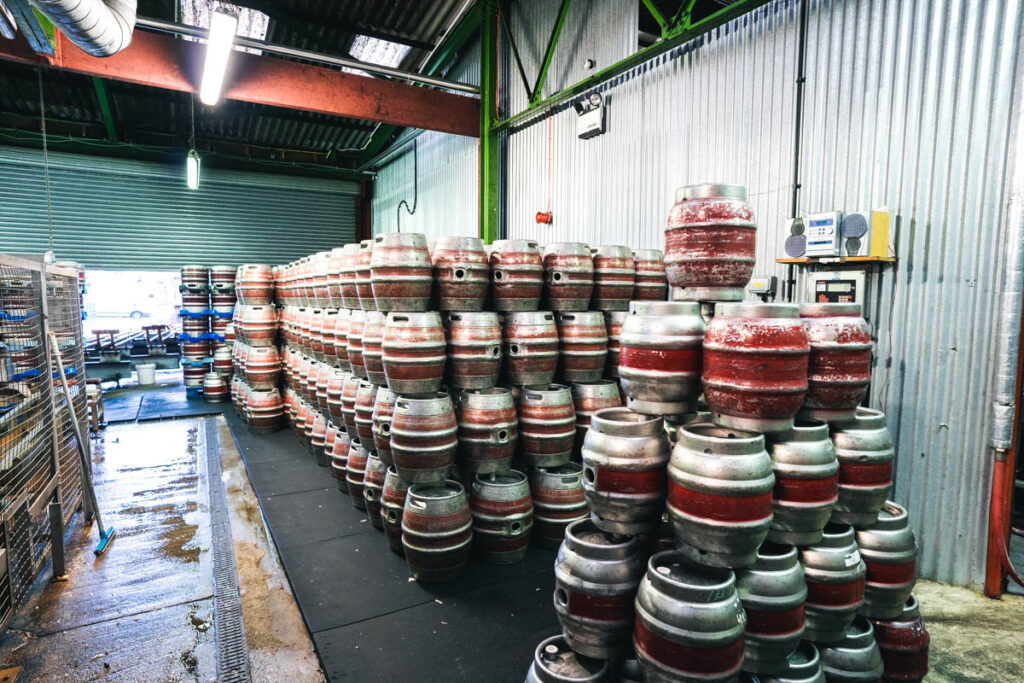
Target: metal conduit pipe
100 28
1008 362
317 57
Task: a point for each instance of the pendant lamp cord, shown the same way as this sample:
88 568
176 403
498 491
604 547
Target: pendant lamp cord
192 116
46 157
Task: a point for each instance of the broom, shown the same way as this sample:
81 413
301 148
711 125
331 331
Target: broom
106 535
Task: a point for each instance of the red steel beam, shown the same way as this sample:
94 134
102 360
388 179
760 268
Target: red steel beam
166 62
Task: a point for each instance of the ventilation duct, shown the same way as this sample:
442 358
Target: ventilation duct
100 28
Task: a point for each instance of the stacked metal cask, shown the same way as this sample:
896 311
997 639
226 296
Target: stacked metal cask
254 357
196 354
425 378
761 542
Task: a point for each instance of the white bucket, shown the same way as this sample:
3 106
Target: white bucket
147 373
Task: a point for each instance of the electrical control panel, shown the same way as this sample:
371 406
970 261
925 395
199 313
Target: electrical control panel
762 285
836 286
822 233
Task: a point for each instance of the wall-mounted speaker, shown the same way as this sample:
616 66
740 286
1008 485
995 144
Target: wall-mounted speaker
855 232
796 243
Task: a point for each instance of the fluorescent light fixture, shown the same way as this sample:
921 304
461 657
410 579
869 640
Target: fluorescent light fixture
192 169
218 48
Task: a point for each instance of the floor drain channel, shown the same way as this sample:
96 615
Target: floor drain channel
229 626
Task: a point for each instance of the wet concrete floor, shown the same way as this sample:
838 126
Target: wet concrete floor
144 610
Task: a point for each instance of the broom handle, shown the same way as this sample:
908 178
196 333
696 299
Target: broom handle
86 479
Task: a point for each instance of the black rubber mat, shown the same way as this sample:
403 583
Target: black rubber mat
288 475
486 635
354 593
311 516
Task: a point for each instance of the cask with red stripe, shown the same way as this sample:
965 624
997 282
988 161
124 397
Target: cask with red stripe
854 658
461 273
755 366
473 349
530 347
502 512
401 273
834 572
517 275
347 275
558 501
413 352
356 325
689 621
437 529
710 243
903 642
650 284
773 593
806 482
424 438
596 578
889 551
547 425
865 451
364 276
373 487
624 477
582 345
720 494
660 356
355 472
614 278
366 396
488 429
588 398
392 506
372 352
380 418
839 368
568 276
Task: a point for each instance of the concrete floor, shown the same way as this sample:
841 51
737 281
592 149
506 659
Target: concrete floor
974 639
144 610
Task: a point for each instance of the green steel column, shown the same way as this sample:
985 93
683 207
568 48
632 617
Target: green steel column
488 113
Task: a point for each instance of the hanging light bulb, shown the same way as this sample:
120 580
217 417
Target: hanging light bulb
192 169
223 27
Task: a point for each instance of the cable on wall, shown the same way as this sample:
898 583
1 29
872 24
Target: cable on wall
415 188
46 157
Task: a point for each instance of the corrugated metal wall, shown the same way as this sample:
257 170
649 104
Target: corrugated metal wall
603 31
721 111
907 105
117 214
445 196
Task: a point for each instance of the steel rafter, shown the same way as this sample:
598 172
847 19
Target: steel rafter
162 61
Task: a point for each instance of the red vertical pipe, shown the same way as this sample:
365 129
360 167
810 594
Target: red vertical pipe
997 561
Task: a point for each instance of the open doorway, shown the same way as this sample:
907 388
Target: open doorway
131 316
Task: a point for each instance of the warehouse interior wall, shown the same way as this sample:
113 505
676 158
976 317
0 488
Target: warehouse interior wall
432 185
134 215
905 106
